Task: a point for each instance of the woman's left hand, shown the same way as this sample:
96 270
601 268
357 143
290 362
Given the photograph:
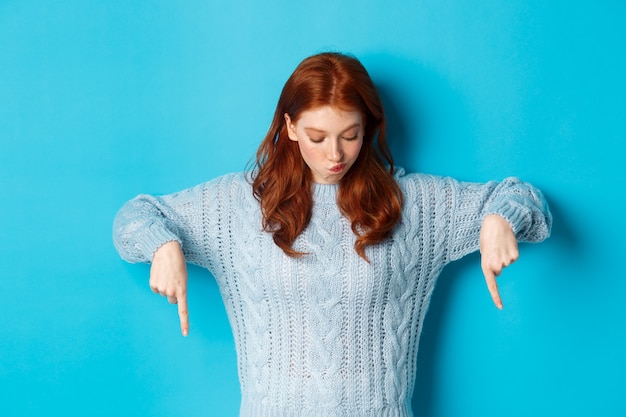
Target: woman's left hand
498 249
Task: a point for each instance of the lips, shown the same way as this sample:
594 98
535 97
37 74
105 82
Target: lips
338 168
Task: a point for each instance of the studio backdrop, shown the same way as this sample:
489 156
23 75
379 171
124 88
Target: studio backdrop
103 100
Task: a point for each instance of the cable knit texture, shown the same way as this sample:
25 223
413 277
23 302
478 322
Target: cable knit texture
327 334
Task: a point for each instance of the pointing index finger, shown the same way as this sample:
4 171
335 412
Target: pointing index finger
492 285
183 314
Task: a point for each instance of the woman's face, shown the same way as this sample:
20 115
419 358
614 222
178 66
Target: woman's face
330 140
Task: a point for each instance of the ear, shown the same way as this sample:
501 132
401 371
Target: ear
291 128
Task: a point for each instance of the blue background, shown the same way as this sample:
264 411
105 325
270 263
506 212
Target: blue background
100 101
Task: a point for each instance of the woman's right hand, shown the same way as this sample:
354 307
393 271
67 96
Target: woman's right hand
168 277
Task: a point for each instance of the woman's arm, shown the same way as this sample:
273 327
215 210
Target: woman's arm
155 229
520 204
502 214
147 222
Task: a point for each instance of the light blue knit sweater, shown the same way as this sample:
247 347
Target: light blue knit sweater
327 334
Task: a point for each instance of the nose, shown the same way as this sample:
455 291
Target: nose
335 151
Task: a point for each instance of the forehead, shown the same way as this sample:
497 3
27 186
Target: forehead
328 118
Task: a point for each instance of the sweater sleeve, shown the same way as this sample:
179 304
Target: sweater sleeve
147 222
521 204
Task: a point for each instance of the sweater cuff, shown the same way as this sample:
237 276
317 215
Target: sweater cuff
515 214
156 238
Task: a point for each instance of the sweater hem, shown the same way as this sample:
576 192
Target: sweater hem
260 410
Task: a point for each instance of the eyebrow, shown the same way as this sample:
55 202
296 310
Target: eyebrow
323 131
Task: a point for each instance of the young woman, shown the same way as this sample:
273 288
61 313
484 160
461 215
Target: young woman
325 254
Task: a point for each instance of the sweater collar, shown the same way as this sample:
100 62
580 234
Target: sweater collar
325 193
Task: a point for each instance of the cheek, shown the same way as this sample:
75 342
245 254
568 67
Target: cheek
355 149
308 152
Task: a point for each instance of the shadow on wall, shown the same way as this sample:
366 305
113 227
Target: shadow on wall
423 110
428 352
563 233
401 139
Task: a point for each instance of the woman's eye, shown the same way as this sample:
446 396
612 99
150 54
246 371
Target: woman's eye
355 137
316 140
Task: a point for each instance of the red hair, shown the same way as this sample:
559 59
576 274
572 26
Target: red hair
282 182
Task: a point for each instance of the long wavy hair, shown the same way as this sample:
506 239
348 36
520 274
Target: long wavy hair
368 194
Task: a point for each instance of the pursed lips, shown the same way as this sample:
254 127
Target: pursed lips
338 168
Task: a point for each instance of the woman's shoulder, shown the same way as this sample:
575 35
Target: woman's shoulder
223 188
232 180
408 179
235 186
